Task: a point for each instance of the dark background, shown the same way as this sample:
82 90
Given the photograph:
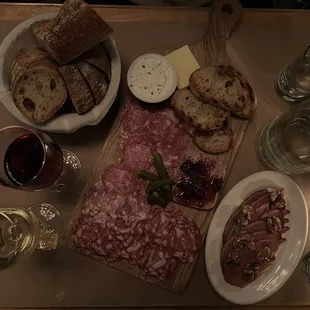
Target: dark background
280 4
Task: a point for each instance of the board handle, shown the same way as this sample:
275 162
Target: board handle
224 17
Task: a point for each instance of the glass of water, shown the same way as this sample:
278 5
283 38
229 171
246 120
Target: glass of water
293 82
284 143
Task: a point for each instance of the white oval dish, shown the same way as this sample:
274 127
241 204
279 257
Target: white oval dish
152 78
21 37
288 255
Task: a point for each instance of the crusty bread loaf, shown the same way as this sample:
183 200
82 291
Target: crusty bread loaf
79 91
40 92
57 47
95 80
75 29
23 61
213 142
98 57
203 116
219 86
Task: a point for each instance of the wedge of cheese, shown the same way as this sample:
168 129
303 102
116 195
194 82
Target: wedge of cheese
184 63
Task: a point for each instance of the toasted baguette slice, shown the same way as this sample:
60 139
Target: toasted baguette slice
214 142
251 100
40 92
95 80
219 86
79 91
98 57
204 117
217 141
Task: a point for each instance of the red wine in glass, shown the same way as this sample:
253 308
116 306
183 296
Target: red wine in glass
32 160
24 159
29 162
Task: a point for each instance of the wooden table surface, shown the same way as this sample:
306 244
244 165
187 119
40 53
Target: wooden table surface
260 47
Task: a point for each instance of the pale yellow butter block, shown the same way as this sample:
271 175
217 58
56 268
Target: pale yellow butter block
184 63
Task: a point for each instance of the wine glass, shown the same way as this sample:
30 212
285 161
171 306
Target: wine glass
22 230
33 161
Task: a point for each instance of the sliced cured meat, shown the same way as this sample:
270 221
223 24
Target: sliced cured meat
136 121
276 212
141 137
167 112
93 199
155 263
159 127
253 239
176 136
137 156
262 225
130 105
124 180
112 200
134 209
136 252
171 156
183 242
159 225
258 200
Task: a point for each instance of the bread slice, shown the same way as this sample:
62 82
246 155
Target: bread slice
23 61
57 47
213 142
98 57
79 91
203 116
217 141
251 100
75 29
40 92
219 86
95 80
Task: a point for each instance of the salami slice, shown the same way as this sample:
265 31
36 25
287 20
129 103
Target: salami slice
135 121
177 137
171 155
158 127
167 112
130 105
137 156
122 178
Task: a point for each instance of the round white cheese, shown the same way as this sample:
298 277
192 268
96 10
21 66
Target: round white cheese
151 78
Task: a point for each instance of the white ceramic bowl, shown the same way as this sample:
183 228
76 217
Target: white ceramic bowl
21 37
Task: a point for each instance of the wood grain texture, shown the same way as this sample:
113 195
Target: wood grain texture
22 11
177 283
225 16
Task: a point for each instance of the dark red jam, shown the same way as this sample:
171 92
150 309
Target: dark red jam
196 185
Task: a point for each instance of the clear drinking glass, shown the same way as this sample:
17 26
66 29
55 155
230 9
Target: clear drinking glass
284 143
293 82
22 230
31 160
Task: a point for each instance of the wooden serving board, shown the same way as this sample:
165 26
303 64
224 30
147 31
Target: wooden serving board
211 50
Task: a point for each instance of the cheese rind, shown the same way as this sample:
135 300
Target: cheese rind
184 63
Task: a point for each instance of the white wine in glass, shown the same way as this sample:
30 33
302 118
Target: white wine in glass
22 230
